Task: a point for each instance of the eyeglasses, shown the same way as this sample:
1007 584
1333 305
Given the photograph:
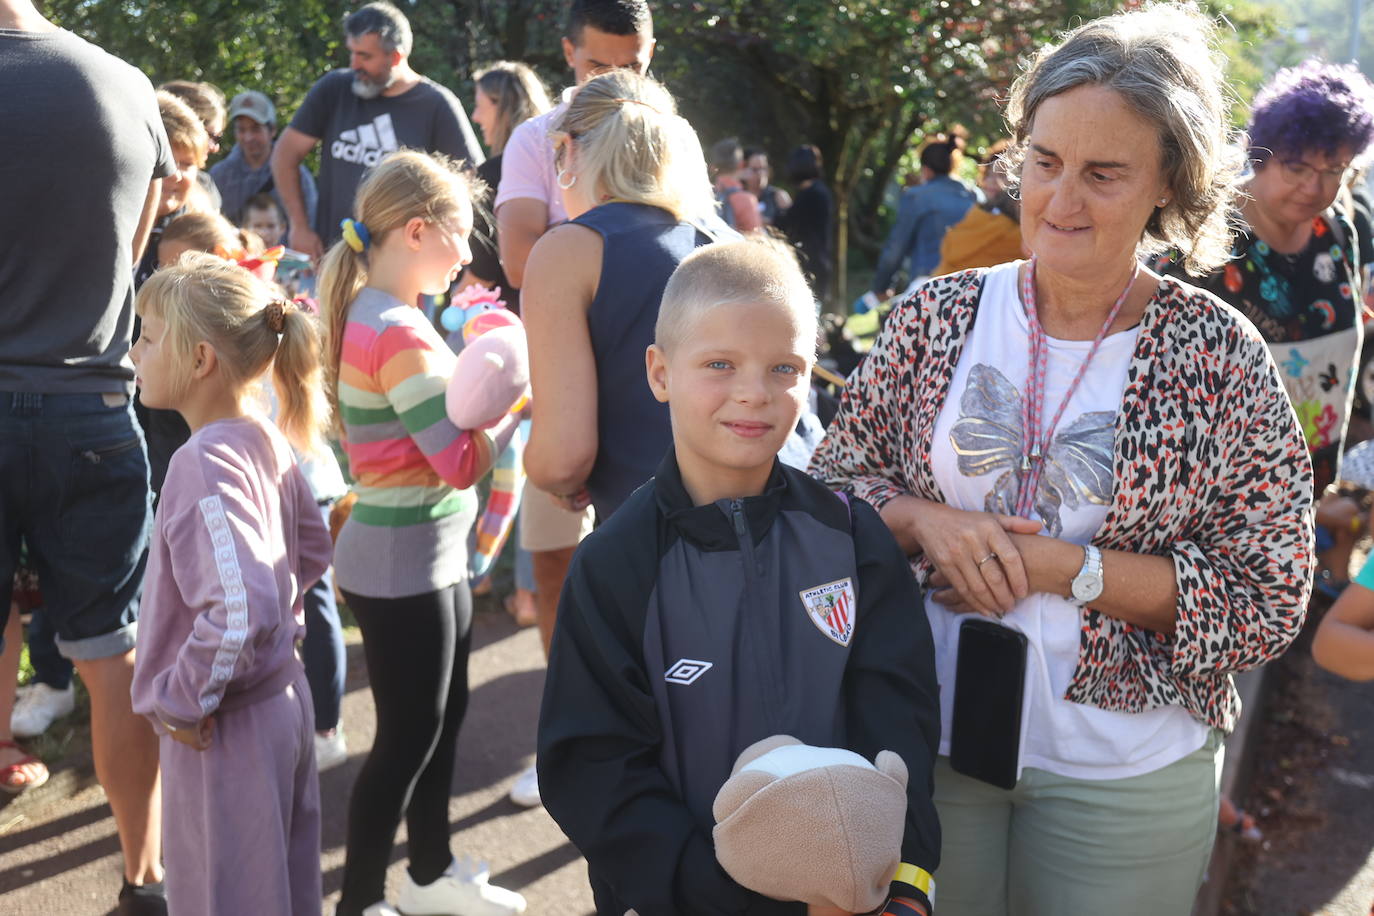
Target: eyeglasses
1297 172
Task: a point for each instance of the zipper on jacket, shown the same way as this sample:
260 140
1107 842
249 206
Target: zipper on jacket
741 523
769 671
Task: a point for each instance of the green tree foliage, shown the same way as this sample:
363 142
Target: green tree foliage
862 79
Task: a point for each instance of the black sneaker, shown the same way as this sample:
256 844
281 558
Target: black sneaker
142 900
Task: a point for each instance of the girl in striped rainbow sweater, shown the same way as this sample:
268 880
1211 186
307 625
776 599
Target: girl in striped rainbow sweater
401 558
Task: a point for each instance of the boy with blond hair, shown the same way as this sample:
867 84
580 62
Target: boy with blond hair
729 599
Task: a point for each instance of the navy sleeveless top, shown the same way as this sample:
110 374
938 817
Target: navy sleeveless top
642 247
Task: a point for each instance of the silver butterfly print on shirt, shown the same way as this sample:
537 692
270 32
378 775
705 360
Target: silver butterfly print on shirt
987 439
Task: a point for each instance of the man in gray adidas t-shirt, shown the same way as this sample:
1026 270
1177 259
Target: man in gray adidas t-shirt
377 105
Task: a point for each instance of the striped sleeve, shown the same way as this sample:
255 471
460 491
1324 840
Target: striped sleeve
507 482
413 370
225 576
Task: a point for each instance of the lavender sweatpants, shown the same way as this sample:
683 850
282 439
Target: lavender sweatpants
241 820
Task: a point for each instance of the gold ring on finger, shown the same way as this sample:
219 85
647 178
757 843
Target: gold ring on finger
991 556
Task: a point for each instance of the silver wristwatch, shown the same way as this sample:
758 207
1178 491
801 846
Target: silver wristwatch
1087 585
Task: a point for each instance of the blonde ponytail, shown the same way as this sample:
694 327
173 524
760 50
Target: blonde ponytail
297 380
404 185
342 276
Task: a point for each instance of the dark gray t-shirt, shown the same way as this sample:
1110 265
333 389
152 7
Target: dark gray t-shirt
82 142
354 133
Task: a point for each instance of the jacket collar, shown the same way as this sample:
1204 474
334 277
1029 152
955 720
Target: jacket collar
712 526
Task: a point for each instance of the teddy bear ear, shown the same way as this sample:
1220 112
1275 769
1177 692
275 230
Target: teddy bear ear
892 765
759 748
737 790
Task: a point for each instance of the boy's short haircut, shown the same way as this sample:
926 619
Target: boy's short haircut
263 200
760 270
613 17
184 130
939 156
727 156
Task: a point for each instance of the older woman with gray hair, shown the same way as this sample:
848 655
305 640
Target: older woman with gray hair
1098 477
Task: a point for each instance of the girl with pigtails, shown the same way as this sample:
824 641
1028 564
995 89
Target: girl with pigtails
237 541
401 558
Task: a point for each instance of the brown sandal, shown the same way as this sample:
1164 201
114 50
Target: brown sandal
31 772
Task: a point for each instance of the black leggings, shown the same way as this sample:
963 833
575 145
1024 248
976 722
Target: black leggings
417 662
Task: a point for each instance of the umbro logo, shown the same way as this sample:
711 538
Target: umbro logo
685 671
366 143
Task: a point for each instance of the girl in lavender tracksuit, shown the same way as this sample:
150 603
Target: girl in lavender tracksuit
238 541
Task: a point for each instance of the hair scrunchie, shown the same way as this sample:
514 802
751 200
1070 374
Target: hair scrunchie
355 234
275 314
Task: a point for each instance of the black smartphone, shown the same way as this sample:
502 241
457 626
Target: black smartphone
989 681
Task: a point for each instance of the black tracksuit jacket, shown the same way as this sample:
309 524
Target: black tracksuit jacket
683 637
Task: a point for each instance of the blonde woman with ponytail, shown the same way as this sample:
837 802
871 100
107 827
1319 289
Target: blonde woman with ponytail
401 559
238 538
639 201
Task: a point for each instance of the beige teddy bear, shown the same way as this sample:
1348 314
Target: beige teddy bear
820 825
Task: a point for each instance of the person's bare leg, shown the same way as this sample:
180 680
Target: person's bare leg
9 676
550 569
125 751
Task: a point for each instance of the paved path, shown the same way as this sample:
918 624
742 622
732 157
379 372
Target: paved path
1314 795
59 855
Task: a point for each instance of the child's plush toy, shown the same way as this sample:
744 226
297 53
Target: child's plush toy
820 825
491 380
492 377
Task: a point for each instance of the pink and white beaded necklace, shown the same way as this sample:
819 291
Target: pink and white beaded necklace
1035 439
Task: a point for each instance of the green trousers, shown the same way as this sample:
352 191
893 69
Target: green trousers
1057 846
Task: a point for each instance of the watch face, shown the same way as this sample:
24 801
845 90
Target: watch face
1087 586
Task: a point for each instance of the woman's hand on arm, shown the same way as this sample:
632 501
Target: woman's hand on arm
1137 588
972 551
560 283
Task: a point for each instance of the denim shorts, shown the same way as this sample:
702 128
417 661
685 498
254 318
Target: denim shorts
74 488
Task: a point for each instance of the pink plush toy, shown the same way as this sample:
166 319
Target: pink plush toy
492 377
491 380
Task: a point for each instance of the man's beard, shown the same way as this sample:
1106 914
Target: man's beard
365 88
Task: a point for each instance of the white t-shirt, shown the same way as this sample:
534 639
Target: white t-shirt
982 419
527 170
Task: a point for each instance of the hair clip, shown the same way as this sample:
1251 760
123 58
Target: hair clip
355 234
638 102
275 313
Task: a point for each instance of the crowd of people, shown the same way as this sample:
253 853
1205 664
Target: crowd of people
1113 437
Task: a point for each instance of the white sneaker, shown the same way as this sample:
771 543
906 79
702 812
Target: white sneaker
462 890
330 750
525 792
381 908
37 709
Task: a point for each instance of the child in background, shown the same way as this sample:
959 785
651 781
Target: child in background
208 232
238 538
1344 642
263 216
729 599
402 561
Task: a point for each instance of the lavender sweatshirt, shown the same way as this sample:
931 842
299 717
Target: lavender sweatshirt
237 541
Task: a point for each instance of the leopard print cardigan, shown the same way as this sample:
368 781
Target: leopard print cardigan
1210 469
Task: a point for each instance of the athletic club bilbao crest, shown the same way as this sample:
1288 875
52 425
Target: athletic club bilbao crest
831 608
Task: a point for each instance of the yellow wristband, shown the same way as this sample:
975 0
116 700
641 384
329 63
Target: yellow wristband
918 878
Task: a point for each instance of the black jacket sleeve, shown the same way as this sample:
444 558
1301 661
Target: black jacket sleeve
892 698
599 738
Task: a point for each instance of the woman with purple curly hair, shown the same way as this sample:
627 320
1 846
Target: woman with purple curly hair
1294 269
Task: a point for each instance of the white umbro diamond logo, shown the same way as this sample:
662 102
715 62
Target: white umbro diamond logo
686 670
